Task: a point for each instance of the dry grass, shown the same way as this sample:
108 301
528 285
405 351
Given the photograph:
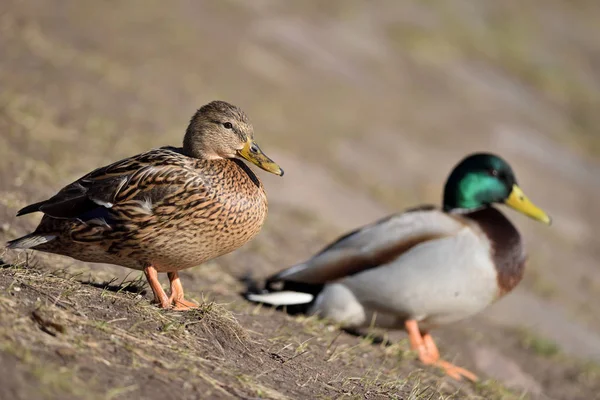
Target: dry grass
51 324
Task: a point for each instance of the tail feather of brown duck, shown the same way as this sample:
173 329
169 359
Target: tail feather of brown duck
29 241
30 208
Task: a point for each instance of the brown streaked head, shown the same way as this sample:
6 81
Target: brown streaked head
222 130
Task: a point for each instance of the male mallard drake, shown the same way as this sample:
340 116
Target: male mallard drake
422 268
164 210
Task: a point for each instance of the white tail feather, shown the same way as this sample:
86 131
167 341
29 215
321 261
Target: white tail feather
29 241
285 298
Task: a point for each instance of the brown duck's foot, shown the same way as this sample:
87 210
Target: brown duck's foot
160 296
179 303
183 305
429 354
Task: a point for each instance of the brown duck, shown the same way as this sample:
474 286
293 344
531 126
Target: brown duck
164 210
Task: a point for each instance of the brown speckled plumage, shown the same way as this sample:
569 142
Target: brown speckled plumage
167 209
172 211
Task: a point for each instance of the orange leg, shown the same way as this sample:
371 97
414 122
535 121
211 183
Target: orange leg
429 354
160 296
179 303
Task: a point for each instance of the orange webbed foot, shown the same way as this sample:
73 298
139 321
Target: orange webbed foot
160 297
429 354
176 298
183 305
456 372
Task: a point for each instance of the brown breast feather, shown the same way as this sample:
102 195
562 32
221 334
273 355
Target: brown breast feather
508 253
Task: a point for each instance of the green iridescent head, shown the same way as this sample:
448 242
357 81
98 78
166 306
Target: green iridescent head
483 179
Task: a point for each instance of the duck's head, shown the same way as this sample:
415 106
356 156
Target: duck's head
482 179
222 130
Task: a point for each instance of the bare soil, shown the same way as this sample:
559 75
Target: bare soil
366 106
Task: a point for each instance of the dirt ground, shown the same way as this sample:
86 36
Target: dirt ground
367 106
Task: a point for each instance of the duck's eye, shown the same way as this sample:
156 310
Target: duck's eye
493 172
227 125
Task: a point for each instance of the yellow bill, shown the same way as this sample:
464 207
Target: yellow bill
521 203
255 155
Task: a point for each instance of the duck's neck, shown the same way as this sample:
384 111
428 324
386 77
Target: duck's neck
507 248
248 171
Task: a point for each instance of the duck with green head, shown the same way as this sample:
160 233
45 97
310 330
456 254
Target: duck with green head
419 269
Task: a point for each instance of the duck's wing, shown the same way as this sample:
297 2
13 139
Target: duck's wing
107 186
371 246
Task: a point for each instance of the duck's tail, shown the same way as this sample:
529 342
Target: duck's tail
297 298
278 299
30 241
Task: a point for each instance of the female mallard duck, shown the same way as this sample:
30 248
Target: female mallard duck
164 210
422 268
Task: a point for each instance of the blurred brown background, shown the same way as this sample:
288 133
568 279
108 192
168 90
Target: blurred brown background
366 105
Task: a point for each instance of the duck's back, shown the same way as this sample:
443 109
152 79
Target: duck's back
172 211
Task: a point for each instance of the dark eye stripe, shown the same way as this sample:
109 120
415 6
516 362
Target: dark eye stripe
234 128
